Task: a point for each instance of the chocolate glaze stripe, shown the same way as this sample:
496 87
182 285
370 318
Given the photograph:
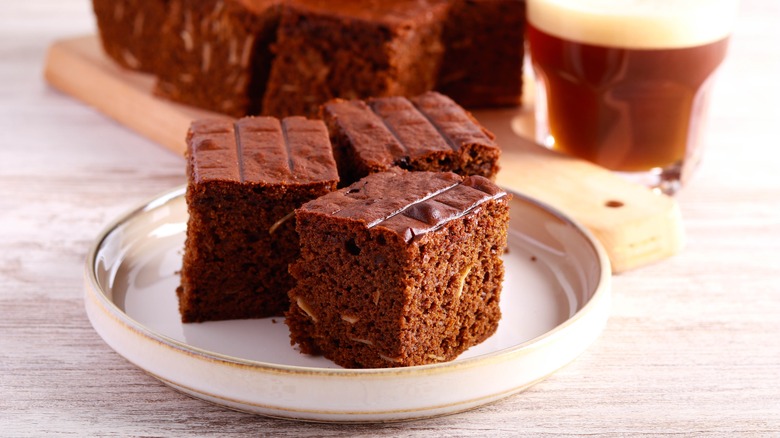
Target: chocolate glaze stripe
239 152
404 208
287 147
390 129
413 129
455 147
410 233
443 202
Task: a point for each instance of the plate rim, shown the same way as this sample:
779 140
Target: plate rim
596 306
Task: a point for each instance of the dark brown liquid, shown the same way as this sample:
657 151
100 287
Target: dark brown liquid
625 109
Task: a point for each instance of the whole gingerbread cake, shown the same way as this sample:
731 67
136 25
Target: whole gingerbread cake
398 269
245 179
287 57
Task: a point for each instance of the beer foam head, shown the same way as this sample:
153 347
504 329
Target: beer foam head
638 24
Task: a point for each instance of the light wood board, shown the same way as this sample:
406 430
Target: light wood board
636 226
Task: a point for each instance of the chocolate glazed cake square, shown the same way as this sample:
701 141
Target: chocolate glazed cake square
245 179
398 269
429 132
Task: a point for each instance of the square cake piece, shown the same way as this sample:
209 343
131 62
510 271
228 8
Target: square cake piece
349 49
245 179
429 132
218 53
398 269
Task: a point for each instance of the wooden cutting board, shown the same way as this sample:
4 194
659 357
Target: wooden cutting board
635 225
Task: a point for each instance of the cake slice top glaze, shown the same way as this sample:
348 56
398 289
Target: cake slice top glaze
384 130
409 204
261 150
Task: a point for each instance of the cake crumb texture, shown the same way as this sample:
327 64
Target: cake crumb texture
245 179
399 269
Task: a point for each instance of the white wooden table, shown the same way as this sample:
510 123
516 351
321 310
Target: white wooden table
692 346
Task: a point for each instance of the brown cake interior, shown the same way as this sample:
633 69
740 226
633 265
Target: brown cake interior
233 246
245 181
328 49
218 53
131 32
483 60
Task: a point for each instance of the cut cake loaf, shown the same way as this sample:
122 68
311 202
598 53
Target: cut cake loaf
287 57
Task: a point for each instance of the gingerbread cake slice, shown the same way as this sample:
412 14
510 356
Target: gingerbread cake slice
483 53
245 179
350 49
429 132
398 269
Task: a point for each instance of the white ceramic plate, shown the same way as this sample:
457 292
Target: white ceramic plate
555 302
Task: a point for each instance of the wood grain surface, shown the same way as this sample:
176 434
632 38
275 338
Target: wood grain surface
692 347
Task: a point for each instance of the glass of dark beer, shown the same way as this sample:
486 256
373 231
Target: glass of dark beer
626 83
